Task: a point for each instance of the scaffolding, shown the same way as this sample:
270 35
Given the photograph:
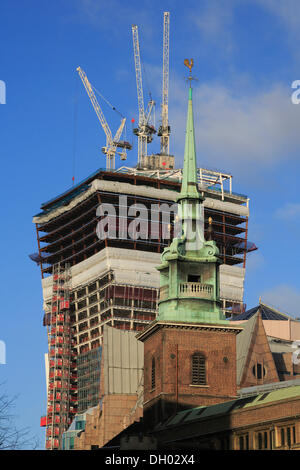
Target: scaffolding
105 302
89 368
209 179
61 393
122 306
71 236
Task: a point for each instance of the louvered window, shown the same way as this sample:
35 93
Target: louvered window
198 369
153 374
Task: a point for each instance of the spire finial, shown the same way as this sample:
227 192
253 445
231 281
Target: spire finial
189 64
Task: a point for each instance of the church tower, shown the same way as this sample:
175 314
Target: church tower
190 349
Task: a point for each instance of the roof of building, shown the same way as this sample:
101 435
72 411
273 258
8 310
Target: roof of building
270 387
267 313
70 193
212 182
243 341
203 412
255 396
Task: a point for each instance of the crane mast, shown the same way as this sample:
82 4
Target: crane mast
145 130
164 130
138 74
110 149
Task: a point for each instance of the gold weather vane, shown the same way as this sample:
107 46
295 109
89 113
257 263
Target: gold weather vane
189 64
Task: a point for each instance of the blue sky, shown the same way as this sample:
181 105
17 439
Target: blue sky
246 57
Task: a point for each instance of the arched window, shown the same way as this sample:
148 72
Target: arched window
153 374
198 369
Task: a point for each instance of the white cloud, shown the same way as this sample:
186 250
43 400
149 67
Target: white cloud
115 15
288 11
215 22
291 210
283 297
240 131
244 131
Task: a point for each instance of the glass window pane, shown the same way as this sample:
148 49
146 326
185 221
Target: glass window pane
259 441
289 437
282 437
265 440
294 434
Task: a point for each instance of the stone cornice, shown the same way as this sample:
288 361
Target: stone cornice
157 325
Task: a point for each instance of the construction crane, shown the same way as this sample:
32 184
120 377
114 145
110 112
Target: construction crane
112 144
145 130
164 130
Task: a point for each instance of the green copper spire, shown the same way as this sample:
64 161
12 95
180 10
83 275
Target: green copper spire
189 269
190 209
189 189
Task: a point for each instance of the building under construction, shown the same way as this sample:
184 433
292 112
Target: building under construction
89 282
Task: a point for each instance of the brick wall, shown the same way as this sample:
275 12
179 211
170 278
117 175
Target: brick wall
259 352
172 349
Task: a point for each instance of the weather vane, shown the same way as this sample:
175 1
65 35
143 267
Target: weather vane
189 64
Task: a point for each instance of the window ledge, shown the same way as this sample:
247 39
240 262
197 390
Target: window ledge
203 386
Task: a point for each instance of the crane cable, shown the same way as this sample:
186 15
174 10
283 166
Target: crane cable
113 108
107 102
146 78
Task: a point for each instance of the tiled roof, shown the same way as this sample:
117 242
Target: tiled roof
267 313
